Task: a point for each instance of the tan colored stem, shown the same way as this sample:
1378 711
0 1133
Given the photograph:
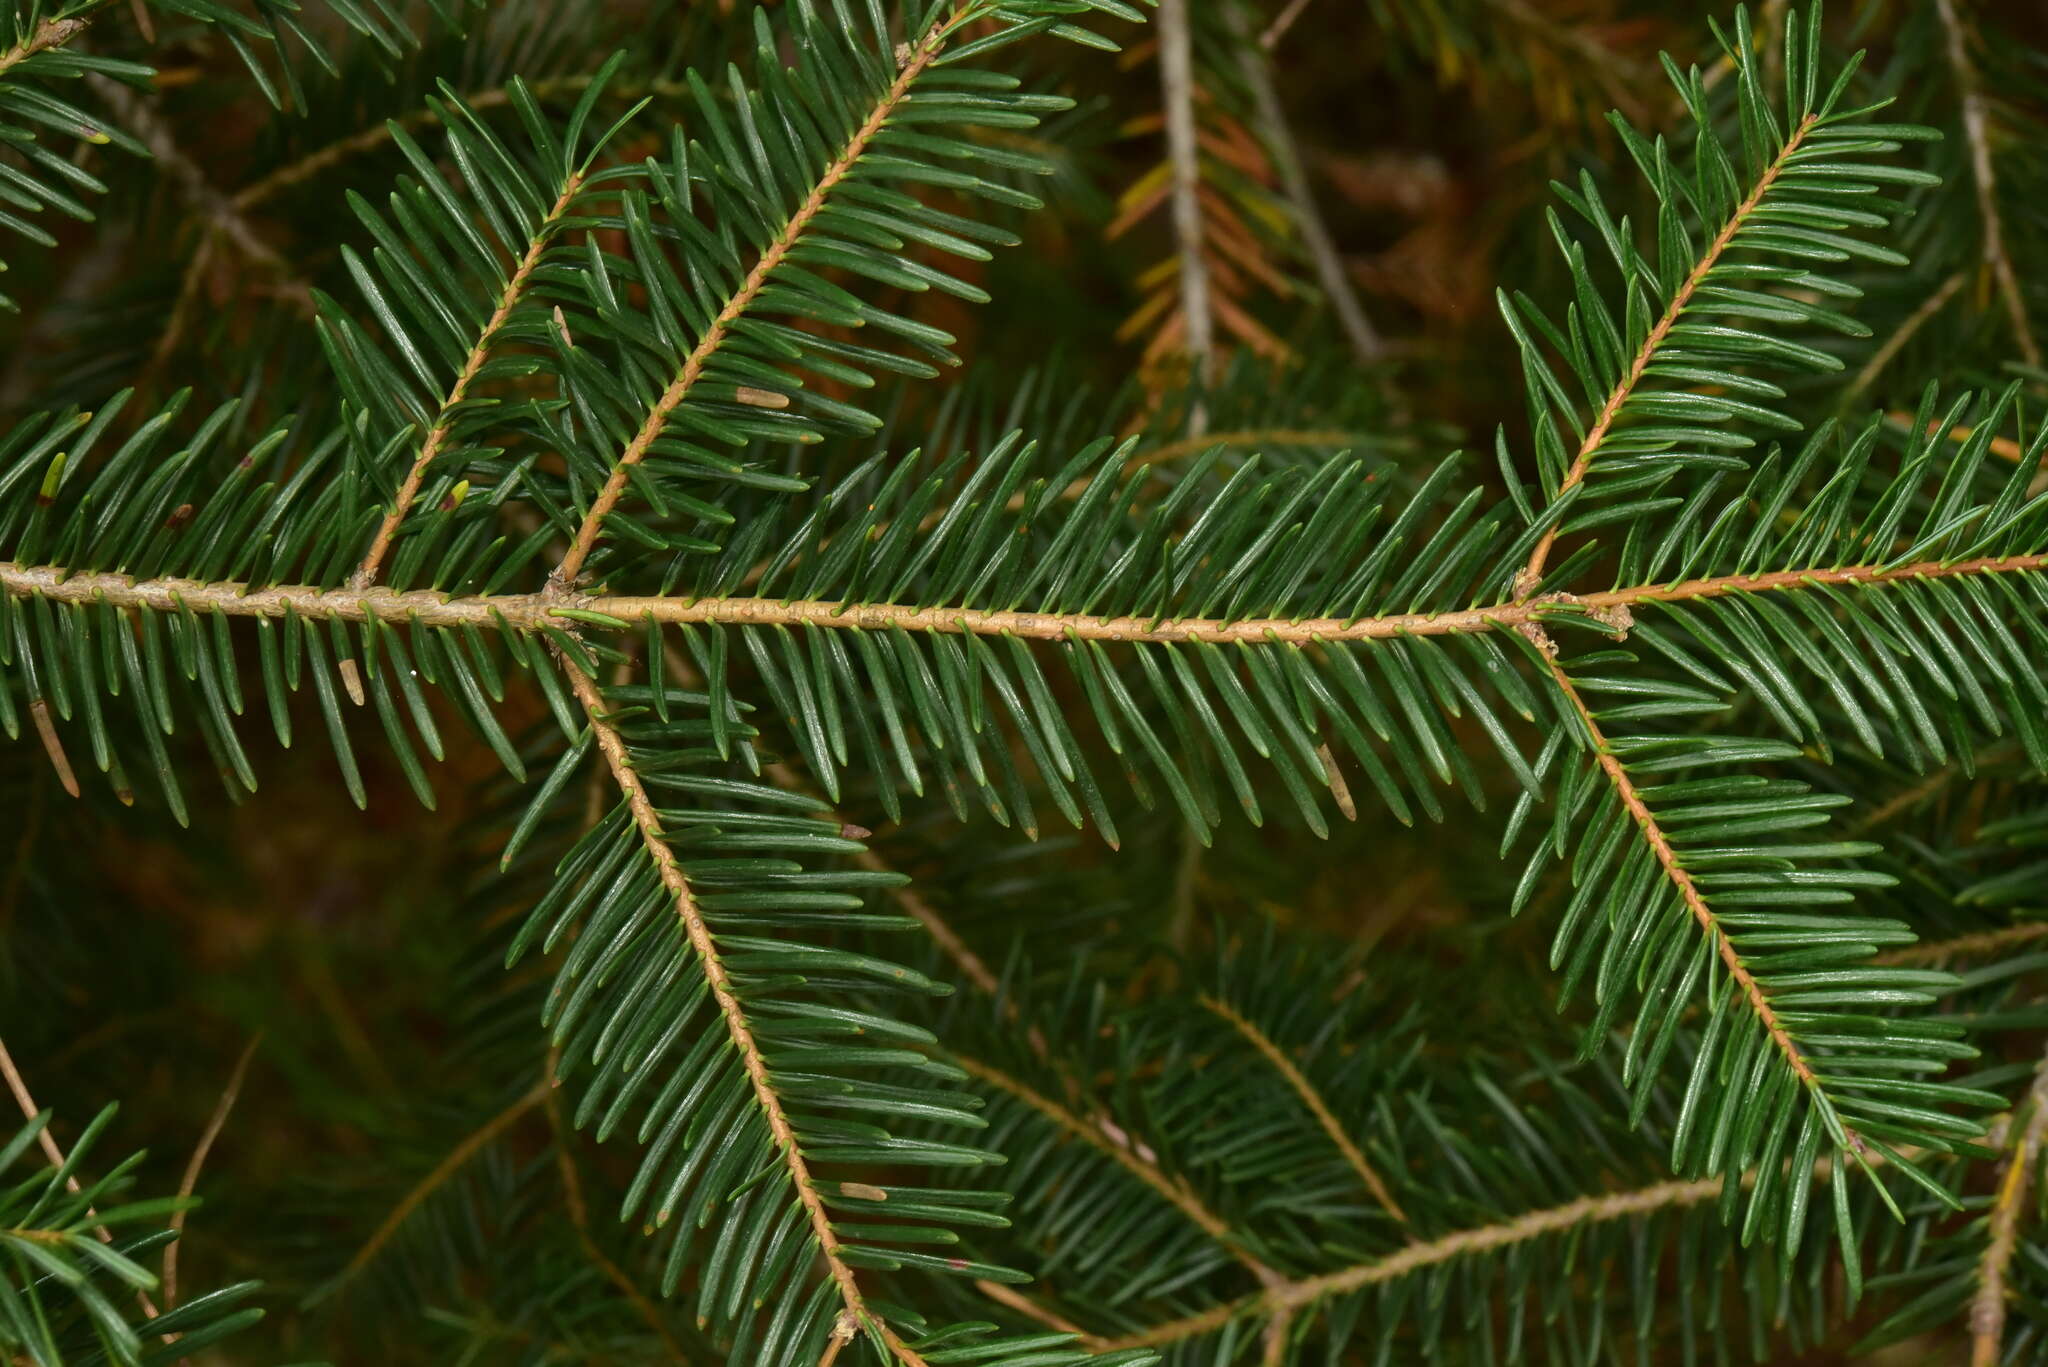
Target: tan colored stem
2004 447
1291 1296
915 61
1367 346
1250 436
1532 574
437 436
1987 1307
456 1157
1030 1309
1175 1192
1311 1098
1907 799
1177 94
526 612
190 1180
1966 946
1695 902
648 822
48 34
1929 308
1282 22
18 1085
579 1217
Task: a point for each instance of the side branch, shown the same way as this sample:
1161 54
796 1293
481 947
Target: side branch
1532 574
648 821
1311 1098
1695 902
1945 952
1291 1296
1174 1192
467 1149
571 568
437 436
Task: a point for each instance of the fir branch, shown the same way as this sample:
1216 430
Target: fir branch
1909 798
221 216
1016 1300
1269 39
515 289
1922 314
906 896
1695 902
1589 449
1366 343
1311 1098
914 62
18 1086
648 822
427 607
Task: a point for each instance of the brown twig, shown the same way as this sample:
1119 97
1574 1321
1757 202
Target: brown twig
1967 946
1291 1296
2005 448
190 1180
1977 132
1908 798
1987 1307
1366 344
48 34
1030 1309
1282 22
222 215
1929 307
18 1085
1177 93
